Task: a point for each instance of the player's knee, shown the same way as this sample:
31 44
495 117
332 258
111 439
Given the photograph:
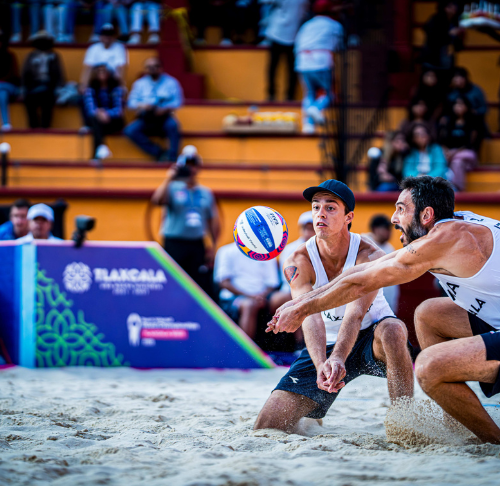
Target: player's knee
427 370
394 334
422 314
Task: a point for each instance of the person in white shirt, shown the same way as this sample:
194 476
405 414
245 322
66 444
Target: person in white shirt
155 97
107 51
40 221
245 284
315 43
283 24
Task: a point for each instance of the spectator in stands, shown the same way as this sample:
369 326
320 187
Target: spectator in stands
191 216
315 43
42 74
431 90
282 27
155 97
107 51
103 108
212 12
425 157
461 86
457 134
9 81
390 168
443 38
418 112
17 226
138 10
380 233
40 221
246 286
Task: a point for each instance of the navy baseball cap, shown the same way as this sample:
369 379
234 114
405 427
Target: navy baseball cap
337 188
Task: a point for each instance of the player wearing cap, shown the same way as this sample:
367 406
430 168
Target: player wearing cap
40 221
362 338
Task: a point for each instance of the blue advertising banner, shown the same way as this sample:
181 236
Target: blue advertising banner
118 304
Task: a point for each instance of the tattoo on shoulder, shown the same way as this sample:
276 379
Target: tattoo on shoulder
410 249
291 273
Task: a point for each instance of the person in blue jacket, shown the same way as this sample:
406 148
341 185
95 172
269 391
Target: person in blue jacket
425 157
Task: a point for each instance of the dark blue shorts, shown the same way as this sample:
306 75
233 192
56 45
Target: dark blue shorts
491 338
301 377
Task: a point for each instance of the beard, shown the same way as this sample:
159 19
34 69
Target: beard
413 232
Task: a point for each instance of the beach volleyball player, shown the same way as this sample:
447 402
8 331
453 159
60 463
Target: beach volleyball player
363 337
459 334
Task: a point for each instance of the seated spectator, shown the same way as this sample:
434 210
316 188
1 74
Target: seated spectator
315 43
191 216
42 74
151 10
155 97
246 286
211 12
103 108
457 135
40 221
418 112
107 51
9 81
425 157
380 234
461 86
443 38
282 27
390 167
431 90
17 226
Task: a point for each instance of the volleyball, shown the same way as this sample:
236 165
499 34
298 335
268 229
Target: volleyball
260 233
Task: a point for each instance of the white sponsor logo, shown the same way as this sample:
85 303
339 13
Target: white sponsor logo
77 277
134 325
295 380
124 281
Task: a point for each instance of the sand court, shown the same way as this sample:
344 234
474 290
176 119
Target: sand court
80 426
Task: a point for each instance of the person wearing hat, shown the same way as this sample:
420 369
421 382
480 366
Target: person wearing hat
155 97
40 221
109 52
42 74
190 217
361 338
315 43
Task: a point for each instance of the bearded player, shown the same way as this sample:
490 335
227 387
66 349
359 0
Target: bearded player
460 333
361 338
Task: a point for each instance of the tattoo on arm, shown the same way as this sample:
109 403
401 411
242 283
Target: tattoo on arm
410 249
291 273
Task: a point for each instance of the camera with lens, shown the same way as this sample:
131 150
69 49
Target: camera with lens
83 224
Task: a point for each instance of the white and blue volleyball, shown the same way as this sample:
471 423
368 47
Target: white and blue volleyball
260 233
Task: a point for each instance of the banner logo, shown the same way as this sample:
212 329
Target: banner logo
77 277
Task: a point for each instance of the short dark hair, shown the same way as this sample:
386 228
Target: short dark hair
434 192
380 221
21 203
461 71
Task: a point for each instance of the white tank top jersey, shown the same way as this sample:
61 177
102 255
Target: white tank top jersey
333 317
479 294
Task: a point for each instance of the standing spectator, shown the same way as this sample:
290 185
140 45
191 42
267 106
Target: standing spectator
191 215
458 133
107 51
152 10
155 97
40 221
461 86
246 286
315 43
390 168
42 74
443 38
9 81
103 107
17 226
380 233
283 25
425 157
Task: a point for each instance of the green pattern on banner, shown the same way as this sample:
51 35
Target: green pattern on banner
64 339
217 314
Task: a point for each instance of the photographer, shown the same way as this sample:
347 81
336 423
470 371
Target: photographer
190 215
